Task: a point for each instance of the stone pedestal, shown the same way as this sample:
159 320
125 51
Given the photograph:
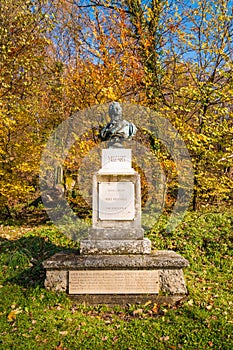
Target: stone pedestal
116 211
112 247
115 264
118 279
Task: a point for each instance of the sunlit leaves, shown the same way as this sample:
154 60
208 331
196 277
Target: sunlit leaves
23 76
63 56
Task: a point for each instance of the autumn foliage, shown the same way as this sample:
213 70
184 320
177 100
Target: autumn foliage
62 56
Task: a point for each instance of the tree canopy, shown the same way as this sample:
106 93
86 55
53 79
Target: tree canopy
62 56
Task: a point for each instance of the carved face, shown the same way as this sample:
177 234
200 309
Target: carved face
115 111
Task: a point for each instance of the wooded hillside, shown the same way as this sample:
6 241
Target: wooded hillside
59 57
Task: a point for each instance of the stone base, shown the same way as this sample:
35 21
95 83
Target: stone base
140 246
128 274
124 300
119 233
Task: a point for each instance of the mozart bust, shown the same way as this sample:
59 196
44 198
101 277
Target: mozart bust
118 129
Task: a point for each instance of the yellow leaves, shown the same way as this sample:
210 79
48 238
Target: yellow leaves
148 303
109 93
69 182
222 17
155 308
15 189
204 45
202 137
190 302
198 140
13 314
147 45
9 122
149 13
24 166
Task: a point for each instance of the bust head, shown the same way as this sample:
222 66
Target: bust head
118 129
115 112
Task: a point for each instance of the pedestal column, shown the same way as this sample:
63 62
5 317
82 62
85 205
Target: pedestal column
116 216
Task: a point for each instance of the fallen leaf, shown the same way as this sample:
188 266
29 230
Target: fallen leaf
166 338
115 339
209 307
63 332
12 315
137 312
155 308
148 303
107 322
190 302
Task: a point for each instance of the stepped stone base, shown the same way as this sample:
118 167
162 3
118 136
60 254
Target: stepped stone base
141 246
116 233
118 279
124 300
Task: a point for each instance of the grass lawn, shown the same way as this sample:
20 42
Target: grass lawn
33 318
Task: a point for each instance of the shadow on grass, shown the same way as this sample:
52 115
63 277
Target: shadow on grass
21 260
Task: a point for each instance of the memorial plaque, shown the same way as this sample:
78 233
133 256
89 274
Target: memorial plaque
116 200
116 159
114 282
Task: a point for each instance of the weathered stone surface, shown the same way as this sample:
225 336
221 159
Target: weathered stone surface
56 280
116 211
112 247
113 281
133 180
115 233
116 201
167 264
115 160
172 281
160 259
124 299
115 264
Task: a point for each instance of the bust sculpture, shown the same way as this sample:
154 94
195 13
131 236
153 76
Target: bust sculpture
118 129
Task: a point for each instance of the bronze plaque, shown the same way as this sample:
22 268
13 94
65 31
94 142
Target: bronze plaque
114 282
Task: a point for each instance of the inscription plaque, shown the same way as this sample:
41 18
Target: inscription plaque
114 282
116 200
116 159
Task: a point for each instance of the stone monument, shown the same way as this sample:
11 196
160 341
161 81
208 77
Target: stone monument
116 218
115 264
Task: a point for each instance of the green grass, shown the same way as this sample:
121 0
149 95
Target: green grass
34 318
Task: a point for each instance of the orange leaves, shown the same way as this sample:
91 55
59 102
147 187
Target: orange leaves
105 66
